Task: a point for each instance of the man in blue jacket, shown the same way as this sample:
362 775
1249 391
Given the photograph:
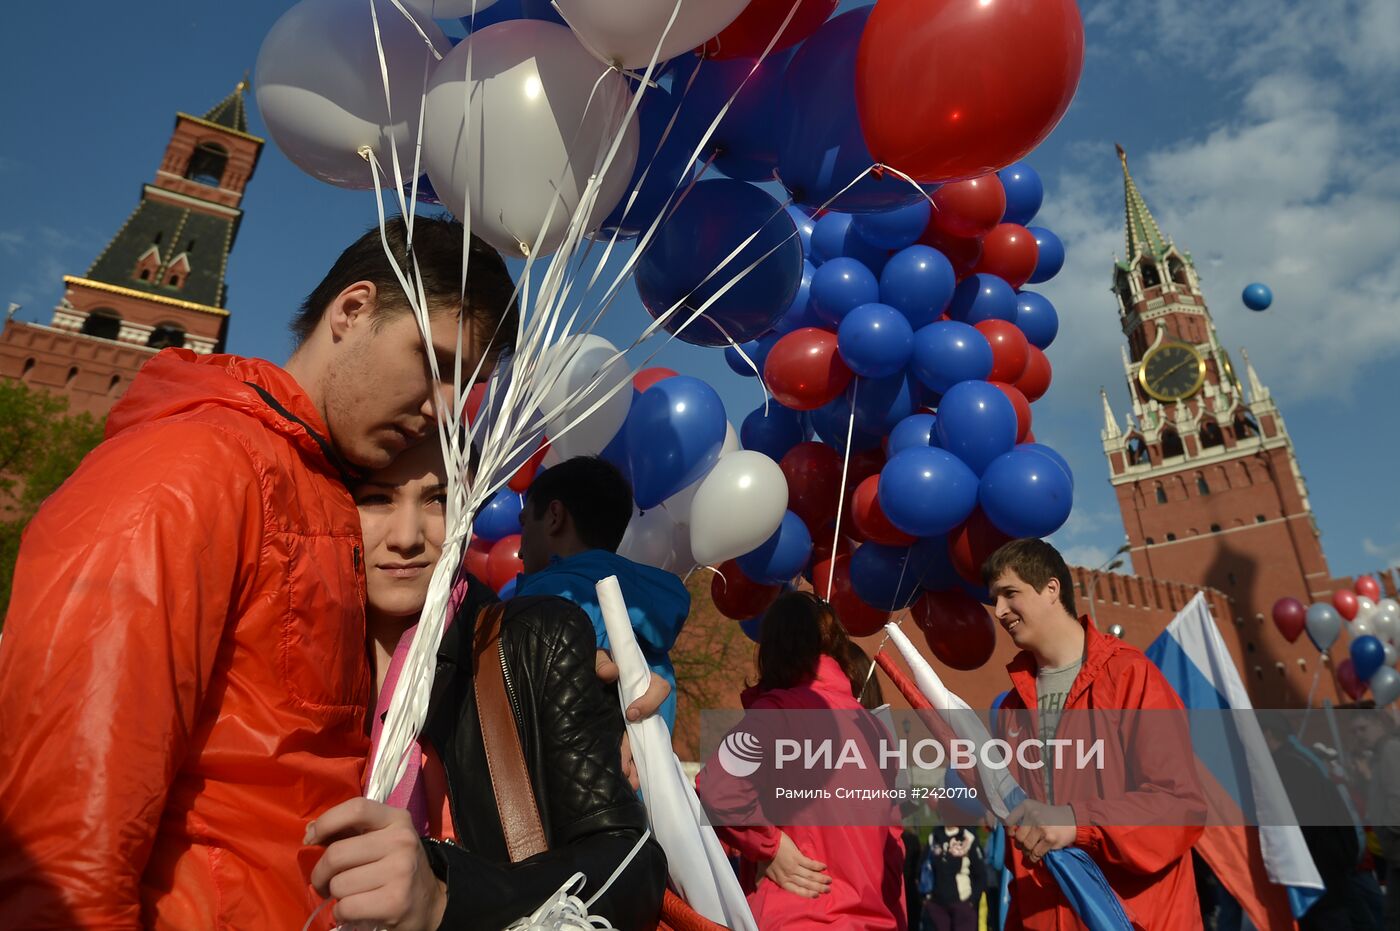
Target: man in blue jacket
573 521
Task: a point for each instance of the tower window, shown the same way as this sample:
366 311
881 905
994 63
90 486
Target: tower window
1150 541
1171 444
1246 425
145 274
72 375
1201 484
1259 518
166 335
1150 278
103 323
1137 451
1211 435
1177 270
156 238
207 164
1214 528
1161 494
174 281
28 367
1171 537
113 383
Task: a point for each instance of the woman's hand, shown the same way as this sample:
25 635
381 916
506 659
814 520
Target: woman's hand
794 871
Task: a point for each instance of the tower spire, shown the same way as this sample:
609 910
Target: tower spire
1143 234
1110 427
231 111
1257 391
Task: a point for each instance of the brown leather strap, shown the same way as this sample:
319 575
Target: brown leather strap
505 759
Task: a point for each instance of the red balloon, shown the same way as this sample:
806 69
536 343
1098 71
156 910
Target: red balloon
478 558
648 377
504 563
475 397
737 596
871 521
804 370
971 543
859 619
963 253
1349 681
1010 350
969 209
750 34
1345 602
1023 411
950 89
1009 252
520 481
1035 380
959 631
813 472
1366 587
1290 617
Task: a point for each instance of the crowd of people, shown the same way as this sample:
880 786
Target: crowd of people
209 617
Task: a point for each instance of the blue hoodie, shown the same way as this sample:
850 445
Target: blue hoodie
657 602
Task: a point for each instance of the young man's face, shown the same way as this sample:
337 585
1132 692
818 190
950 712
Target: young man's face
380 391
1023 612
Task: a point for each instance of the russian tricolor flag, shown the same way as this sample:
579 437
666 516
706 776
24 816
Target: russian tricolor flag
1267 869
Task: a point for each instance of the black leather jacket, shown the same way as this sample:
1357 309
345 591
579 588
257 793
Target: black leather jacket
571 731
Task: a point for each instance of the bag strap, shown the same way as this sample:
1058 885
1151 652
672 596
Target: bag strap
505 759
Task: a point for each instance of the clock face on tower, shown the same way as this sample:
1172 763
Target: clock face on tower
1172 371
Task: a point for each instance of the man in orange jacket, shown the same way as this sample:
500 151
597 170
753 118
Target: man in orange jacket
1138 809
183 676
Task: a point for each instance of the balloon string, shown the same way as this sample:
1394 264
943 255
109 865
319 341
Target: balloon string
1311 692
841 501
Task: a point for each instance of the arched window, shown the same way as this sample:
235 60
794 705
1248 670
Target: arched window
1150 278
104 323
1259 518
1161 494
1245 425
72 375
112 384
207 164
1137 451
1171 444
1171 537
145 274
167 335
28 367
1202 485
1124 289
1214 528
173 281
1177 270
1211 435
1150 541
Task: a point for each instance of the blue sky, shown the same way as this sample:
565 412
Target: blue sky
1262 136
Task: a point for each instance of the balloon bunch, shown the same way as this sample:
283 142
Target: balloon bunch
1373 624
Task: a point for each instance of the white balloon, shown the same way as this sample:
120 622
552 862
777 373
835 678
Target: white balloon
680 503
1387 622
537 130
1363 626
447 9
626 32
1364 606
739 506
1391 654
682 560
1385 686
575 363
650 538
319 89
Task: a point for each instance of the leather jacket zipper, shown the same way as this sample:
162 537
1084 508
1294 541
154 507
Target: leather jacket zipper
510 690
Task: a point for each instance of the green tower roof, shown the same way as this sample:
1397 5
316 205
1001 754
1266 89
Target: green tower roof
1143 234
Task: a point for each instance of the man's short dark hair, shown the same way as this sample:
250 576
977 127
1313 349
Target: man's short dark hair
597 496
1036 562
437 245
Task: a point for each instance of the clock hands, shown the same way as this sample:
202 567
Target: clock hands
1180 364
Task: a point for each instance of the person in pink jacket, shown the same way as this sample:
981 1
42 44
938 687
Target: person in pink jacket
827 863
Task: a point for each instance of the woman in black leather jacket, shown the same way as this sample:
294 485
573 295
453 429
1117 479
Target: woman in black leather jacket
460 875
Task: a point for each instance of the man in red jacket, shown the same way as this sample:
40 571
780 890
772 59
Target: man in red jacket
1138 809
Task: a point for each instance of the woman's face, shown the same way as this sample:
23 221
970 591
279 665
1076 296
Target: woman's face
403 523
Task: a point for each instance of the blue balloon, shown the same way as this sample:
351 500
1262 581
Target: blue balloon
1257 296
841 285
1026 494
805 225
1054 455
503 10
821 148
894 229
773 431
752 628
1036 317
914 430
693 242
745 143
800 314
674 434
1367 655
926 491
948 352
1051 257
831 422
976 423
666 165
936 570
834 235
499 517
885 577
736 362
782 556
875 340
1024 193
616 450
881 403
918 282
983 297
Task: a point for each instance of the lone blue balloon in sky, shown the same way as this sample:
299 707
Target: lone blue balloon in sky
1257 296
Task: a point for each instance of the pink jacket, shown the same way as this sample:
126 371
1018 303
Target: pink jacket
865 863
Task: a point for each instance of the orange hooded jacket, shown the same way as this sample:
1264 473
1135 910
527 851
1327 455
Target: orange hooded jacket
183 679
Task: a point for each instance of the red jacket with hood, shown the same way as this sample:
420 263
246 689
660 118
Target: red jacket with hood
183 678
1140 829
